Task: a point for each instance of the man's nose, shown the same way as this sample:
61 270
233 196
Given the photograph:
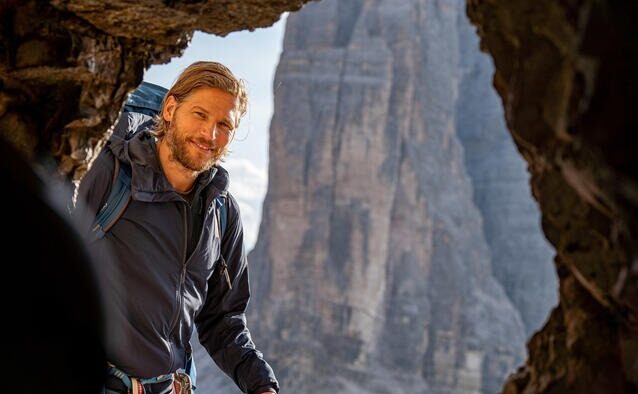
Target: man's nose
210 132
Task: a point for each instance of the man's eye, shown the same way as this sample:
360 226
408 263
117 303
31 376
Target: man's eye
225 128
200 115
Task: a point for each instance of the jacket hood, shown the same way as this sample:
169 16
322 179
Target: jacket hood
148 182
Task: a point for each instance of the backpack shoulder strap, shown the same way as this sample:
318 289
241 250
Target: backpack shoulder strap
222 213
116 203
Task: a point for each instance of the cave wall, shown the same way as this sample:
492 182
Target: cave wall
67 66
566 74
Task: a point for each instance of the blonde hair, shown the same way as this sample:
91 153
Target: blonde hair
203 74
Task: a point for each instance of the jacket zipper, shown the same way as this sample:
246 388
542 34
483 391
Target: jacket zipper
182 279
182 276
222 261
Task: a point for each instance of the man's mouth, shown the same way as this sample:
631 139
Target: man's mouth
203 147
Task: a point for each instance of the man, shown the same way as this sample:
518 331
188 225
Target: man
170 270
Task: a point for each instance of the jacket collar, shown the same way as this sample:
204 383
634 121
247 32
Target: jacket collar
148 182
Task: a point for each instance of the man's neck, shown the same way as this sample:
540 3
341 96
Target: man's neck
182 179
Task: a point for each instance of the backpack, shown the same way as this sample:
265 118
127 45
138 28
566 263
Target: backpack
140 108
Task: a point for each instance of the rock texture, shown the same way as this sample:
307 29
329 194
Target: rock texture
67 65
566 73
372 272
521 256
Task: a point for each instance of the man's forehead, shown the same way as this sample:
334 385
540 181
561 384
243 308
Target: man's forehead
212 98
207 93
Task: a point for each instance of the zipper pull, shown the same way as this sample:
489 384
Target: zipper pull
225 269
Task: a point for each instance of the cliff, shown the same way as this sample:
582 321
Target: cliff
373 271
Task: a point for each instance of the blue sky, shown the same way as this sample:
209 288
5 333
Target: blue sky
253 57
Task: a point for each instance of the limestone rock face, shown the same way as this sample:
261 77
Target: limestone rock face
67 66
372 272
566 73
521 256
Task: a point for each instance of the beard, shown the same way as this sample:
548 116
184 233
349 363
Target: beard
181 149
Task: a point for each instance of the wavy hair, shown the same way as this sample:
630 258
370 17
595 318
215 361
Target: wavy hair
203 74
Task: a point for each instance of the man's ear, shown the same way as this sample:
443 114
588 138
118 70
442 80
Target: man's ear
169 108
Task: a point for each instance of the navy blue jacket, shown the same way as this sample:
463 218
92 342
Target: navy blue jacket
154 293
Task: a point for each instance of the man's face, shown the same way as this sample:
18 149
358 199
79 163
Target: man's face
201 127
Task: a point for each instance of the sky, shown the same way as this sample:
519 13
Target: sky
253 57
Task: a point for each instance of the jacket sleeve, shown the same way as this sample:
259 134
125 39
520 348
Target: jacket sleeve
221 324
93 190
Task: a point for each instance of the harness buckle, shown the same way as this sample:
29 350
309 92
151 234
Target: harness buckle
182 382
